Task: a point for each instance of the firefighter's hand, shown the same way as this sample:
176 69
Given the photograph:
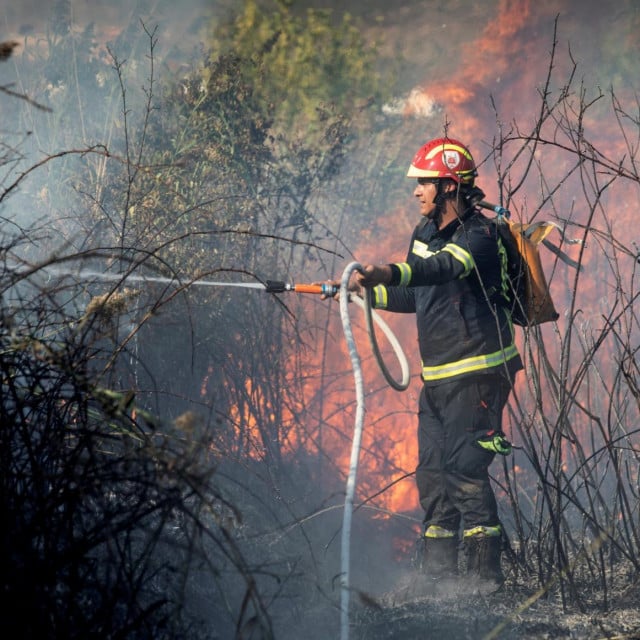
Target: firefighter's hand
332 283
373 275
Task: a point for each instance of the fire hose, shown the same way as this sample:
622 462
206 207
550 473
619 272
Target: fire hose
359 422
345 298
276 286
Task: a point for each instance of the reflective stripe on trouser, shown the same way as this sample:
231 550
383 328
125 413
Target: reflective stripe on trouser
482 530
452 474
435 532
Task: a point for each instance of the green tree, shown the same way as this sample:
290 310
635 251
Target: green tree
300 62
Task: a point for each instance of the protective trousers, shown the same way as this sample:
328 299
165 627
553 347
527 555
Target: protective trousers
452 473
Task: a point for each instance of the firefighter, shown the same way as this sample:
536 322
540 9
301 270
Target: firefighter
453 280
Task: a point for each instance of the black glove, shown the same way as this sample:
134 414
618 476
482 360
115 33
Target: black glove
495 442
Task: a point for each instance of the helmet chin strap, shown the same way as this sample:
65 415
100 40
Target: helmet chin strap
470 198
440 200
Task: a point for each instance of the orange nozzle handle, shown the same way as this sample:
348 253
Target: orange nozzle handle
277 286
326 289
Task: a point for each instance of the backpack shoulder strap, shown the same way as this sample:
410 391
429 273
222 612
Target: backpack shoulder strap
537 232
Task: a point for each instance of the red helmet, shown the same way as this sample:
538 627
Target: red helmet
444 158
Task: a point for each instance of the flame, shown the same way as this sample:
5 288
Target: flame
488 65
388 454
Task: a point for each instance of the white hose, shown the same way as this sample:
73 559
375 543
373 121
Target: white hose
371 317
360 410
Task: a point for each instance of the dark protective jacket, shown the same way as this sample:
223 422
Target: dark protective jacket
454 280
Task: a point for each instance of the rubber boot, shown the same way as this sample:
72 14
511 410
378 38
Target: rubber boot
440 558
483 562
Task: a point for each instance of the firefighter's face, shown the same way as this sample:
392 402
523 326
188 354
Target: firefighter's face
426 191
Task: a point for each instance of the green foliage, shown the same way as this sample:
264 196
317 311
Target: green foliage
301 62
618 51
224 176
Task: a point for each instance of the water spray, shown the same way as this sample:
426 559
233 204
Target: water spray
270 286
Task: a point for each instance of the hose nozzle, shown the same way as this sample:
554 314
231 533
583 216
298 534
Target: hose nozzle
276 286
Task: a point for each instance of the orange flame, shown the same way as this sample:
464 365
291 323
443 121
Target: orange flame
389 449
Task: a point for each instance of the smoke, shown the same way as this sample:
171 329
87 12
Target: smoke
496 62
417 103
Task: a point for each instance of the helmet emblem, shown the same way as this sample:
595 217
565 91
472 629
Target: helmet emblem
451 158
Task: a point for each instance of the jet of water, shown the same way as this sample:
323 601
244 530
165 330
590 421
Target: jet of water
85 274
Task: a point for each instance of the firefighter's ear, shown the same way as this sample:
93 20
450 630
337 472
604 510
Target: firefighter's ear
449 186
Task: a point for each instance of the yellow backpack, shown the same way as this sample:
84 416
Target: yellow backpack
531 302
